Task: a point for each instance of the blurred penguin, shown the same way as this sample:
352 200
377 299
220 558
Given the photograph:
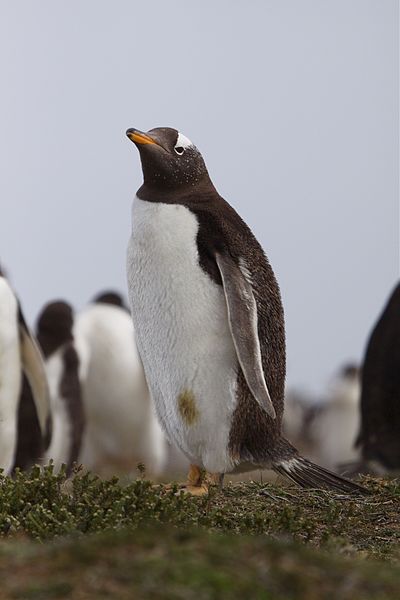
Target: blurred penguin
54 333
121 426
334 426
19 354
379 437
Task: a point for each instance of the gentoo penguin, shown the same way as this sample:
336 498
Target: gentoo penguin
54 334
19 354
122 429
336 421
102 415
379 436
209 321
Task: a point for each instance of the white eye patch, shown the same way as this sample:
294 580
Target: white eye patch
182 141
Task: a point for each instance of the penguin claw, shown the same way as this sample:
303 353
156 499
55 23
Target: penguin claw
194 490
184 488
198 482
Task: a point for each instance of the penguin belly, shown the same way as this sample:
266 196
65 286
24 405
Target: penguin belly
183 334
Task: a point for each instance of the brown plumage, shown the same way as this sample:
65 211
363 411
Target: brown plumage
227 247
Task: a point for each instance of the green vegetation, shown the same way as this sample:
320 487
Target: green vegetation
43 505
150 541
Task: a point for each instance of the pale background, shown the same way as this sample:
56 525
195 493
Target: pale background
294 105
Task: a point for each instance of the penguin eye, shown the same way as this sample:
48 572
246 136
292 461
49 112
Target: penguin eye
179 150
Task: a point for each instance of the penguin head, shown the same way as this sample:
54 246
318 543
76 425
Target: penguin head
54 326
169 159
109 297
350 372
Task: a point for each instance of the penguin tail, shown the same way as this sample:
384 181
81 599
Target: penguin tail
307 474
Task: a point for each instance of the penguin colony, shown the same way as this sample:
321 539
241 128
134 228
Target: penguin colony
84 399
102 416
206 350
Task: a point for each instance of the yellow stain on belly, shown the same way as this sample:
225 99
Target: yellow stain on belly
187 407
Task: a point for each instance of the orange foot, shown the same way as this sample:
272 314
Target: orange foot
198 482
195 490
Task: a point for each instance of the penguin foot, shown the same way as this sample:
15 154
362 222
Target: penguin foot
195 476
194 480
195 490
199 482
185 488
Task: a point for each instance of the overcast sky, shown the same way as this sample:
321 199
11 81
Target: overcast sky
294 105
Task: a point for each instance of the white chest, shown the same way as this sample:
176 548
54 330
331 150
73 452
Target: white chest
182 330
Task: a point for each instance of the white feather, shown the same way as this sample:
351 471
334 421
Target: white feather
183 141
182 329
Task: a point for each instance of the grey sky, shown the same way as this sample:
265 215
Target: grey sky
294 105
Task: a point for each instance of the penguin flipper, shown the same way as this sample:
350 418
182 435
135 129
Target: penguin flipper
33 366
242 315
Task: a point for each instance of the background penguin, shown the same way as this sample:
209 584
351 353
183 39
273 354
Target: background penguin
335 424
19 354
102 414
379 436
209 321
54 333
122 428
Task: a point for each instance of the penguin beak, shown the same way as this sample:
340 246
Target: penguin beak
138 137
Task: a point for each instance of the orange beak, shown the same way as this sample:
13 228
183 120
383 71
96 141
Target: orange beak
138 137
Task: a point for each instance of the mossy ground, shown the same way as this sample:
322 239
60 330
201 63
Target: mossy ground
249 540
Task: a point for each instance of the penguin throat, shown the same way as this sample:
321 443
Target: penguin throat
176 194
